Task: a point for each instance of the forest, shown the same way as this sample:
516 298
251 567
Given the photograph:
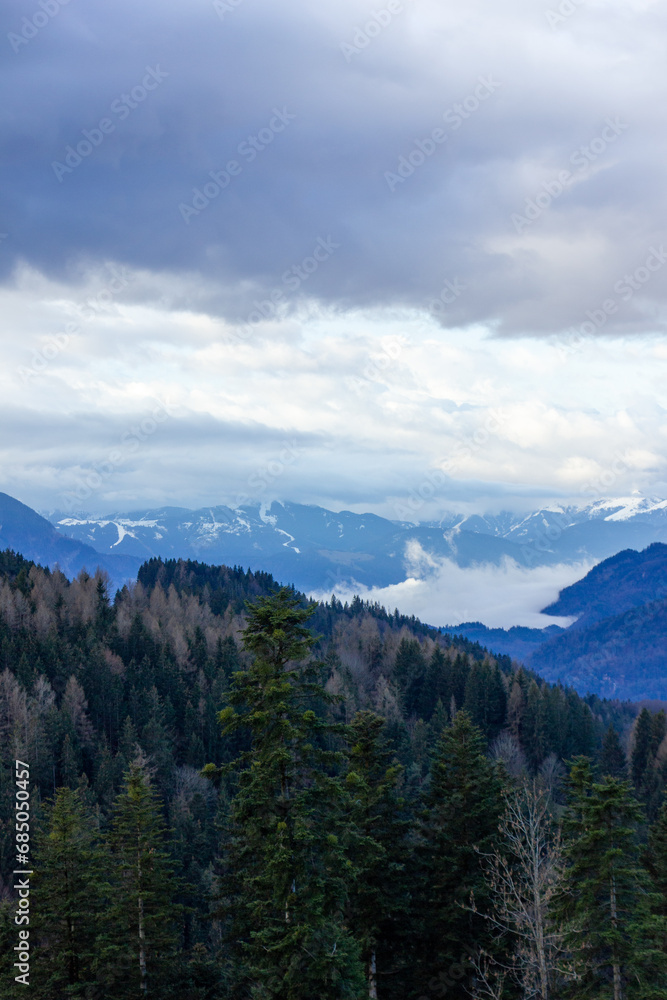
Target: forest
236 792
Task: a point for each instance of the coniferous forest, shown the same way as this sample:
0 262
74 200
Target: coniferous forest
239 793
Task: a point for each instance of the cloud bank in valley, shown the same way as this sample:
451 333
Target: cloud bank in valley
441 593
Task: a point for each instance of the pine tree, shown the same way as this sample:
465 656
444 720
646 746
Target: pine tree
379 898
437 685
641 750
460 824
69 763
606 900
656 857
286 875
485 698
70 892
410 672
143 915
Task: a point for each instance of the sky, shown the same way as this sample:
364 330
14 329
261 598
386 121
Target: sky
398 242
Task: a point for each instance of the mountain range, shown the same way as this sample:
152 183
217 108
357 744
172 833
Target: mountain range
615 646
319 550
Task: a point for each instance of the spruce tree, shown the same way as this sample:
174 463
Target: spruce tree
463 804
612 761
606 901
70 893
656 862
286 876
380 852
642 747
142 924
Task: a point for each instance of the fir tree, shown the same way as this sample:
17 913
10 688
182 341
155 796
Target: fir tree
613 762
142 932
379 898
606 901
656 857
642 746
460 824
70 891
286 875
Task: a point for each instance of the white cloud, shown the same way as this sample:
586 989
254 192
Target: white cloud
379 391
441 593
379 399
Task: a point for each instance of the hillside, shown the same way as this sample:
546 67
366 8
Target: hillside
627 580
319 550
175 633
617 647
95 695
27 532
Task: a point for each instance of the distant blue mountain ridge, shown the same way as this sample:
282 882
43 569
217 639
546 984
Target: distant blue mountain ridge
616 646
317 549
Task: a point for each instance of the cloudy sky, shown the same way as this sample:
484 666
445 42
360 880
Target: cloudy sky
396 237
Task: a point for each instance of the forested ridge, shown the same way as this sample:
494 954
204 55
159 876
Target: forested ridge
237 793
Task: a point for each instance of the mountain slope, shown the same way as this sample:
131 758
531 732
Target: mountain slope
617 647
313 548
320 550
27 532
624 656
574 532
625 581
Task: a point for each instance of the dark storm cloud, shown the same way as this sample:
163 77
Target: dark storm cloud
316 126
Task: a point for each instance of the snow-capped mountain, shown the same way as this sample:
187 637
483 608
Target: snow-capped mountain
570 533
317 549
306 545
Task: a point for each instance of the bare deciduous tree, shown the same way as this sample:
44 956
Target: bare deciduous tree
523 875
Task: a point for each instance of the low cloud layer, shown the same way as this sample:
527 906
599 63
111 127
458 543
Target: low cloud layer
441 593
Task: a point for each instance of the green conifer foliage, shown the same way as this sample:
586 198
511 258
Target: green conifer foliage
612 761
657 857
142 928
70 892
641 751
377 829
460 823
286 876
606 900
